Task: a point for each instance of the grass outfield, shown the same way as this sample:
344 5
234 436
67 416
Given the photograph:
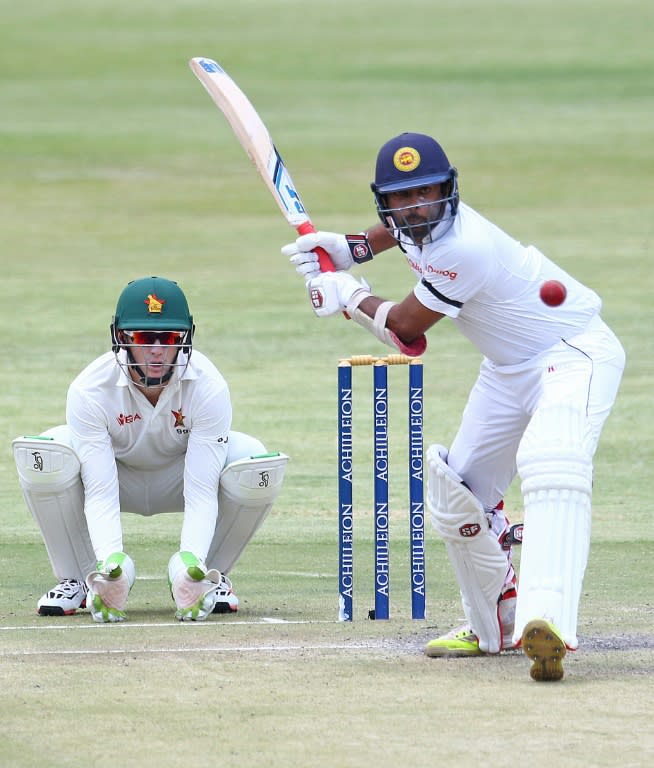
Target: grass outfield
115 164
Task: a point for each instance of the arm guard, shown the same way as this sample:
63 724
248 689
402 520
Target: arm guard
377 326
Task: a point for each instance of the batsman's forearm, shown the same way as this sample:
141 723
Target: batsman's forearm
372 314
370 305
392 319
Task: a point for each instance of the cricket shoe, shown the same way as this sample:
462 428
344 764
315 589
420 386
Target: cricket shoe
464 642
226 600
64 599
458 642
542 643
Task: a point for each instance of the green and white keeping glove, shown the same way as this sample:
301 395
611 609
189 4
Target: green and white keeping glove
193 587
109 588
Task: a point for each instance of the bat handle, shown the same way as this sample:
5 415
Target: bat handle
325 262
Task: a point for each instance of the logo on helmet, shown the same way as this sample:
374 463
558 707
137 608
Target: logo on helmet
155 305
406 159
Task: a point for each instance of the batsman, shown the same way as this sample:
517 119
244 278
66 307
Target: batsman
547 382
148 430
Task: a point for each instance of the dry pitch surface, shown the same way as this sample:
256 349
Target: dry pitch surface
313 693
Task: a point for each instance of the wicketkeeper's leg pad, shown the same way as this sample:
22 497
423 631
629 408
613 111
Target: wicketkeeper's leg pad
555 465
477 558
247 491
49 475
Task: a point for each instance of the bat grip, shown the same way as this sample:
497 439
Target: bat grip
325 262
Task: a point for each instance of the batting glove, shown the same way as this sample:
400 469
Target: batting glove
332 292
344 251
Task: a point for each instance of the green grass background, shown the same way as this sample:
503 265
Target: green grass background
115 164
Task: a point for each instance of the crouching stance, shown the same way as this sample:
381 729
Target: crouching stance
148 430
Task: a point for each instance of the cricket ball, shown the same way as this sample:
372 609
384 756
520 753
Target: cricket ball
553 293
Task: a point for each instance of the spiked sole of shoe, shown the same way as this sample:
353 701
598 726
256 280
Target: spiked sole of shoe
54 610
224 608
545 649
451 653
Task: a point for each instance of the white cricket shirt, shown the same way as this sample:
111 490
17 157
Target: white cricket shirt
112 422
488 284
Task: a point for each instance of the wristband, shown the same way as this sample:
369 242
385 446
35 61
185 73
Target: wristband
359 248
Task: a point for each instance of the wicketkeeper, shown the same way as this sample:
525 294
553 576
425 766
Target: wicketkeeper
547 383
148 430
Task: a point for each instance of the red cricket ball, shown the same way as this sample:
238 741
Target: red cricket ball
553 293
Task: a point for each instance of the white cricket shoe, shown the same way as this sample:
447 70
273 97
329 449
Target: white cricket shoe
64 599
226 600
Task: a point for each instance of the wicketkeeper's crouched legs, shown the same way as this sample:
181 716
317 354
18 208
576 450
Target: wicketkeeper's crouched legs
49 474
249 485
483 570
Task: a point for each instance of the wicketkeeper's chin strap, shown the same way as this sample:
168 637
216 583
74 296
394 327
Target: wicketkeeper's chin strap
146 381
377 326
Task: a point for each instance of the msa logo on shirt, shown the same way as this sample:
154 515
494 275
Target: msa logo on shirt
128 418
179 425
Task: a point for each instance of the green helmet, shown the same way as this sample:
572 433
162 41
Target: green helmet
157 305
152 303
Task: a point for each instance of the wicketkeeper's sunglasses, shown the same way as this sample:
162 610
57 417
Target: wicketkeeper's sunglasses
166 338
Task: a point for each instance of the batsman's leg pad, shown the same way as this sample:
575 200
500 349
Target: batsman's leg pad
479 563
49 475
555 465
109 587
247 491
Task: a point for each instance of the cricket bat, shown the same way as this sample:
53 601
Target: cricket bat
255 140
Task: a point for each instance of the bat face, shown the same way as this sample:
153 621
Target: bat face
253 135
286 194
255 139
